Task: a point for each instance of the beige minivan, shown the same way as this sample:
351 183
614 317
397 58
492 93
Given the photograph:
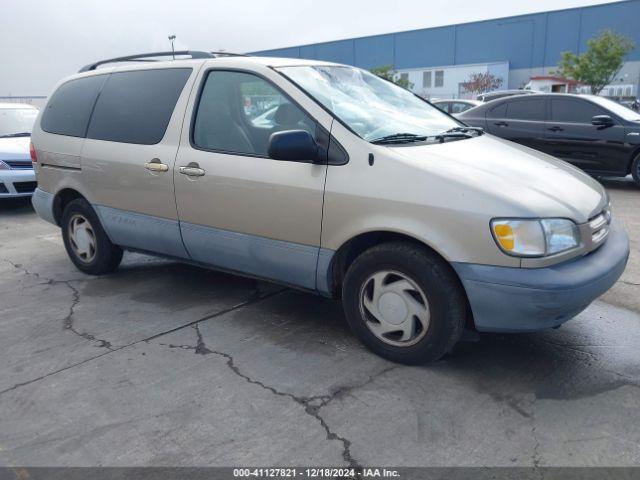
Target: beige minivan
329 179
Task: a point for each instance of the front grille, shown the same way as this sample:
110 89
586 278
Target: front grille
19 164
25 187
3 189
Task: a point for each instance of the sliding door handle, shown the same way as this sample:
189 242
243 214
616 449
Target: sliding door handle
192 170
156 165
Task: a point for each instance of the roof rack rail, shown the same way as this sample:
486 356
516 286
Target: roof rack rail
148 57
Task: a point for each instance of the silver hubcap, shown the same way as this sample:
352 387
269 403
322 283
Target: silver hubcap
82 238
394 308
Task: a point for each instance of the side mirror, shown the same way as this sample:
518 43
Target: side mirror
602 121
293 145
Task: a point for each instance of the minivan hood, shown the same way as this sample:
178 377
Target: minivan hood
538 185
15 148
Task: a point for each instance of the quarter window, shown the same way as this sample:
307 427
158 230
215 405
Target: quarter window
69 108
529 109
135 107
238 112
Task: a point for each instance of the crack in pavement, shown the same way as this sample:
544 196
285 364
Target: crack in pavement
67 322
311 405
253 298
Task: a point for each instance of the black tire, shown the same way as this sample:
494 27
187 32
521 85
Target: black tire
635 170
106 256
447 302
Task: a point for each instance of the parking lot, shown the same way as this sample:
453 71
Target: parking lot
167 364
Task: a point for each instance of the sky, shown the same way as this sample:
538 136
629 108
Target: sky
42 41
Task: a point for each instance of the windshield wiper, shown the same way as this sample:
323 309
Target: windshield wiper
477 130
19 134
399 138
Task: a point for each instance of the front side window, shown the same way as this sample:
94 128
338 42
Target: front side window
569 110
529 109
135 107
237 113
371 107
17 122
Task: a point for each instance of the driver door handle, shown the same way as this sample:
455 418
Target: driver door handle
501 124
155 165
555 129
192 170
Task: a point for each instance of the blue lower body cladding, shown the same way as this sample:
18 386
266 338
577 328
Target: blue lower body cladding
506 299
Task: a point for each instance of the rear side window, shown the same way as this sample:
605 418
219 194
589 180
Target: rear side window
573 111
530 109
135 107
69 108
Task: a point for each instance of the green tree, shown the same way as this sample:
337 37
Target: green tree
388 73
598 66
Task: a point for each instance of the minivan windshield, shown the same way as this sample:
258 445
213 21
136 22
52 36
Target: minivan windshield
373 108
17 122
620 110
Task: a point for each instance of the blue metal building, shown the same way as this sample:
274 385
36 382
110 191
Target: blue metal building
519 47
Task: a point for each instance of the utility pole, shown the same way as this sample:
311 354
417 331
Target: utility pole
173 52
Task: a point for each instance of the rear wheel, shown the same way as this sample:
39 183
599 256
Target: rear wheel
404 303
635 170
86 243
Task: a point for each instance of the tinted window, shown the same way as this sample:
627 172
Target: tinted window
135 107
530 109
238 112
573 111
499 111
69 108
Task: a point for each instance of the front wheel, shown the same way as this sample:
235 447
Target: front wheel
404 303
86 242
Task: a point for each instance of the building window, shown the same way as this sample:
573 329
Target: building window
404 77
439 78
426 79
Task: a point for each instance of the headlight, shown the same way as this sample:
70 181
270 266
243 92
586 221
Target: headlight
535 238
4 166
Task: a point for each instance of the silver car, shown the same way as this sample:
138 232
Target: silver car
17 178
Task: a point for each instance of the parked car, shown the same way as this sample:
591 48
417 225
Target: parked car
487 97
17 178
360 191
593 133
456 106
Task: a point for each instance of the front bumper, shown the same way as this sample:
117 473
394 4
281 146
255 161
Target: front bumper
17 183
506 299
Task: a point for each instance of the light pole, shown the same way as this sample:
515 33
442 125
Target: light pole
173 52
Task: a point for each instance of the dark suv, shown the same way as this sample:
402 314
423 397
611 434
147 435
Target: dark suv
595 134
